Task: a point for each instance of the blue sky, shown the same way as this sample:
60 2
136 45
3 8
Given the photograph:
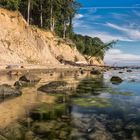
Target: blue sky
112 20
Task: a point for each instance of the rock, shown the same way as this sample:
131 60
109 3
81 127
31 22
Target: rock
100 135
29 135
22 67
116 80
82 72
129 70
95 72
54 87
6 91
14 73
12 67
13 132
120 72
47 112
29 78
3 138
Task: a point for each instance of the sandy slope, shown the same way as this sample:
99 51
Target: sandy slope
21 43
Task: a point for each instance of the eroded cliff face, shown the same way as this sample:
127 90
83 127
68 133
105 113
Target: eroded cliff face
24 44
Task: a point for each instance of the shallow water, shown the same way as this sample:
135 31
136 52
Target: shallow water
94 109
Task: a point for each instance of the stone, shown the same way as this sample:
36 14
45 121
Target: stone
129 70
7 91
100 135
95 72
29 78
54 87
116 80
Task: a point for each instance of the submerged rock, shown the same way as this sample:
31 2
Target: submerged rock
54 87
27 80
116 80
100 135
6 91
47 111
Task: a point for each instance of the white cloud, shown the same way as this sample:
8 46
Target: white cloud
78 16
133 34
117 56
106 37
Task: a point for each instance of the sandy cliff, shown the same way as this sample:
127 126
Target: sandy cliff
23 44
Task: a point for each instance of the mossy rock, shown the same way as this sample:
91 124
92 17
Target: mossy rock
54 87
116 91
46 111
92 102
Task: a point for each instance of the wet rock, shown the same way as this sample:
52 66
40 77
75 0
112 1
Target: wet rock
52 129
120 72
3 138
13 132
116 80
6 91
95 72
100 135
135 136
54 87
129 70
82 72
29 78
29 135
47 112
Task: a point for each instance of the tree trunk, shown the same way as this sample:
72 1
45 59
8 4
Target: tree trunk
64 30
28 12
41 14
51 17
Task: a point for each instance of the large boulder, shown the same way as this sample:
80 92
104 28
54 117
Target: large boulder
6 91
54 87
116 80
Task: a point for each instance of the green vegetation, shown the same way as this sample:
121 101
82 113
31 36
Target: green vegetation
57 16
90 47
116 91
95 102
48 111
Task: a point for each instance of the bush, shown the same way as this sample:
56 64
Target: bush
10 4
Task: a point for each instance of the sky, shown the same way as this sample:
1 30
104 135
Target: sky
112 20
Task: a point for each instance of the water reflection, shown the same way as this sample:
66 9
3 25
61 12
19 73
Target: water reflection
94 110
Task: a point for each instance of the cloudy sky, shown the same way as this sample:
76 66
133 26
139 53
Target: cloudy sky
112 20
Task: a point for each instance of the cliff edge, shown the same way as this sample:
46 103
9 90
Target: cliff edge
24 44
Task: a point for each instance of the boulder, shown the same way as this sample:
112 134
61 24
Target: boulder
116 80
6 91
129 70
54 87
29 78
95 72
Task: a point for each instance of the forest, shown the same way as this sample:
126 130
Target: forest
57 16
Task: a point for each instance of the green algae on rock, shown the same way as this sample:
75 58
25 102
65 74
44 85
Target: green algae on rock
89 102
48 111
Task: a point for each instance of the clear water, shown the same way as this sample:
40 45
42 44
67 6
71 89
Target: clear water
94 109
